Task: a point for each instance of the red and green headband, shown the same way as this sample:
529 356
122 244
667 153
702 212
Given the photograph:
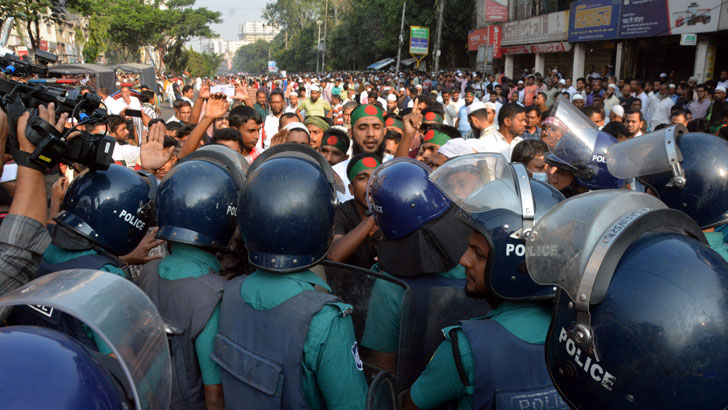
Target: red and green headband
436 137
363 164
367 110
433 117
393 122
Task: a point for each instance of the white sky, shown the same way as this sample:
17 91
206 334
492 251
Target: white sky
233 14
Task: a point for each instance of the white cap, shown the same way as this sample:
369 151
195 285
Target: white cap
455 148
672 85
612 85
693 78
577 96
720 88
520 81
391 97
297 126
475 106
491 106
562 81
315 88
596 76
401 89
618 110
663 74
293 93
418 86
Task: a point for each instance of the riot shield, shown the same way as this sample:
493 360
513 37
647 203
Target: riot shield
121 314
430 304
381 394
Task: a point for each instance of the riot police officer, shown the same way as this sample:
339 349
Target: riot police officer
422 245
105 214
196 207
579 158
494 361
281 344
641 315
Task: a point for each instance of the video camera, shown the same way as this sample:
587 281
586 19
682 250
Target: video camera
52 146
11 64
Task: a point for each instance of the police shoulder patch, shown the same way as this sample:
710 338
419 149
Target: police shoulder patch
344 309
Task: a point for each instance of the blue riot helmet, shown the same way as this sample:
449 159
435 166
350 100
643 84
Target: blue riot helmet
286 209
641 315
73 378
197 200
401 197
112 208
687 171
416 219
582 150
499 201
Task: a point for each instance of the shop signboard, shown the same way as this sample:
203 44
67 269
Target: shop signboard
419 39
688 39
594 20
477 38
539 29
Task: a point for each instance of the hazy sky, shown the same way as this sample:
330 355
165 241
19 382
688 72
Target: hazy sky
234 14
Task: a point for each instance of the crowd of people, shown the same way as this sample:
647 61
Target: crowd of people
294 234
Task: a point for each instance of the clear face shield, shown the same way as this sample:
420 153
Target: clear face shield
578 244
121 314
654 153
576 145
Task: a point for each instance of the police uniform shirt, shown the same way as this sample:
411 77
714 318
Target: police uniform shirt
385 306
187 261
715 241
55 254
440 382
346 219
332 372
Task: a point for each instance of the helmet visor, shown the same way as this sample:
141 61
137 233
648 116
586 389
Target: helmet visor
577 144
117 311
649 154
478 182
562 241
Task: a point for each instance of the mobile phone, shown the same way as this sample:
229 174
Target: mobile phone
133 113
226 89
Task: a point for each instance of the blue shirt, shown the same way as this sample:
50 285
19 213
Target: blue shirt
463 124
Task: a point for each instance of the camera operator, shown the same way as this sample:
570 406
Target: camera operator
23 235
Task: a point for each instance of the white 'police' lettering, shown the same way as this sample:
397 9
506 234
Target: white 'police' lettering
589 366
538 401
232 210
599 158
542 250
132 220
519 249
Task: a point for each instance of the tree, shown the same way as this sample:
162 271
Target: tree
252 58
32 13
213 60
197 65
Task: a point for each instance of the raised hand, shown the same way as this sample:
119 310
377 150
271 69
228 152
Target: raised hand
152 152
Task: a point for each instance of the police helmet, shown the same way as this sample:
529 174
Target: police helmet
641 315
498 200
286 209
112 208
402 198
197 200
582 150
687 171
45 369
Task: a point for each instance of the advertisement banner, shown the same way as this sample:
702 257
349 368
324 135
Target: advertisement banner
693 16
419 39
272 67
495 37
496 10
594 20
643 18
477 38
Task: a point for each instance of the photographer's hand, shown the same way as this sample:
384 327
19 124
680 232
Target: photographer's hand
49 115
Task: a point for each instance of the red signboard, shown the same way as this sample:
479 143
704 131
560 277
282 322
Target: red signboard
477 38
516 50
21 51
496 35
43 45
555 47
496 10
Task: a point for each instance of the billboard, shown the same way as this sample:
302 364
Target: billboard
419 39
272 67
496 10
594 20
612 19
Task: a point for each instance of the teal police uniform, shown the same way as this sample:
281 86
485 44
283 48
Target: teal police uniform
440 382
385 305
332 372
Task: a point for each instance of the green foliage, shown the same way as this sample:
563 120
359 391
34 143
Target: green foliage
32 13
361 32
197 65
252 58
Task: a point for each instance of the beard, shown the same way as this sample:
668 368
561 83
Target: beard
379 153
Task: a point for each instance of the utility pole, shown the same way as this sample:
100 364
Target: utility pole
318 46
440 12
401 35
323 52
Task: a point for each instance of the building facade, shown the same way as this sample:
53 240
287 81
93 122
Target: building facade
65 38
